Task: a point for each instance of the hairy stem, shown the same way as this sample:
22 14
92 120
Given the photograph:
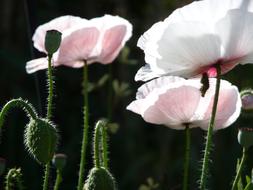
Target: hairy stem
50 88
96 145
239 171
46 176
205 164
85 127
187 156
105 147
27 107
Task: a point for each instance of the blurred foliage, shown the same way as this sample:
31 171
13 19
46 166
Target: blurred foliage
137 149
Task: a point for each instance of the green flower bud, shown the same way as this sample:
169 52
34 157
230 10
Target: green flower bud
245 137
247 99
52 41
100 179
2 166
41 140
59 161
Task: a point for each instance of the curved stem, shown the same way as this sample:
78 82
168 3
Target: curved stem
187 156
85 127
17 103
46 176
58 180
99 141
105 147
50 88
239 171
96 145
204 171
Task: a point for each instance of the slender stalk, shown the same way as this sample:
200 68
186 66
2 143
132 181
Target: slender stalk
239 171
85 127
46 176
49 114
58 180
187 156
205 164
96 145
50 88
105 147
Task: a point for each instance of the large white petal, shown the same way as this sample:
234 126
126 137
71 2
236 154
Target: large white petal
208 10
179 48
235 31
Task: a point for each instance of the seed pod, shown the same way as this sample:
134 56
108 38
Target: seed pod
99 179
59 161
245 137
52 41
247 99
41 139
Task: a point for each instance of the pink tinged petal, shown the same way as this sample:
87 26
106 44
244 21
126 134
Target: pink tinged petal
171 101
181 49
77 46
112 44
61 24
229 107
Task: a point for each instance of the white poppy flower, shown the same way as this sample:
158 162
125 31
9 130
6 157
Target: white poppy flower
196 37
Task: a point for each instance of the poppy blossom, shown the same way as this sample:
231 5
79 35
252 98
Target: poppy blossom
96 40
196 37
175 102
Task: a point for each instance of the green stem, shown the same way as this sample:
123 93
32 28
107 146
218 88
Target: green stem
49 114
50 88
58 180
85 127
17 103
105 147
187 156
205 165
96 145
239 171
46 176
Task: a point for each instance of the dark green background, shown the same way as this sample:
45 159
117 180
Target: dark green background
138 150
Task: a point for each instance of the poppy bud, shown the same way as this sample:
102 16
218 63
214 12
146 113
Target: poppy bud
59 161
247 99
52 41
245 137
41 140
98 179
2 165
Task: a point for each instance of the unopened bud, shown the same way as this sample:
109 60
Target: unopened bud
52 41
100 179
59 161
247 99
245 137
41 139
2 166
